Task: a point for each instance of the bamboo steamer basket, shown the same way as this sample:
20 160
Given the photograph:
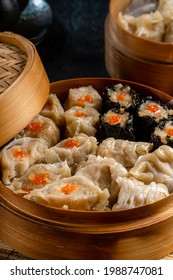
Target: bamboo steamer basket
42 232
24 85
134 58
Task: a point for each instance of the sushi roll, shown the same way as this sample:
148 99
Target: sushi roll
148 114
118 125
163 133
120 97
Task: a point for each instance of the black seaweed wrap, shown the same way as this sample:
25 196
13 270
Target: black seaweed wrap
156 140
116 131
108 104
144 126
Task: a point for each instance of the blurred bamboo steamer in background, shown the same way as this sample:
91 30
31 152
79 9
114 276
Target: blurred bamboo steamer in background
130 57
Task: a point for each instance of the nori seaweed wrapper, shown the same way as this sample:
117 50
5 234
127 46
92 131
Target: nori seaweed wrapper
145 125
121 97
156 139
118 131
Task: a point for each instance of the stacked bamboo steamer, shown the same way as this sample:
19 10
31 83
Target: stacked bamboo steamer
24 85
134 58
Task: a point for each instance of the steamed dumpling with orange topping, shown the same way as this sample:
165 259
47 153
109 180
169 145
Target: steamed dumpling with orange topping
19 155
76 193
73 149
83 96
81 120
41 127
39 175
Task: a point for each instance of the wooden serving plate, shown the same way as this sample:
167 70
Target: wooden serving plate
42 232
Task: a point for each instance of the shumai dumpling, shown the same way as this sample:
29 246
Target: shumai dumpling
81 120
42 127
123 151
54 110
82 96
19 155
76 193
134 193
39 175
73 149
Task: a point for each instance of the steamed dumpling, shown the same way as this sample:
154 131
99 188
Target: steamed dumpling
103 172
76 192
156 166
81 120
165 7
123 151
19 155
39 175
83 96
73 150
134 193
41 127
150 26
54 110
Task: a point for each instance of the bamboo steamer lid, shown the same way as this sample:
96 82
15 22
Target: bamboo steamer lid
24 85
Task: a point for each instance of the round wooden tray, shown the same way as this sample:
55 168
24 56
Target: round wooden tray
24 85
42 232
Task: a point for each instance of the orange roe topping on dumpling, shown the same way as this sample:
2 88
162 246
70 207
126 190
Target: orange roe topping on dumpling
18 153
80 114
84 99
121 96
153 108
67 189
39 179
169 132
27 189
34 127
71 143
114 119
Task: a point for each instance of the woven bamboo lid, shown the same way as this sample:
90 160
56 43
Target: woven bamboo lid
24 85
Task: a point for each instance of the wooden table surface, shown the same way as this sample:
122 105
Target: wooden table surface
7 253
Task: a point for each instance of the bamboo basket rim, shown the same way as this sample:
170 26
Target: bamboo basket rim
15 200
25 46
25 97
111 235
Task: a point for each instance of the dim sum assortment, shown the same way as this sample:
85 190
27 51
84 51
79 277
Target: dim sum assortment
94 152
155 25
